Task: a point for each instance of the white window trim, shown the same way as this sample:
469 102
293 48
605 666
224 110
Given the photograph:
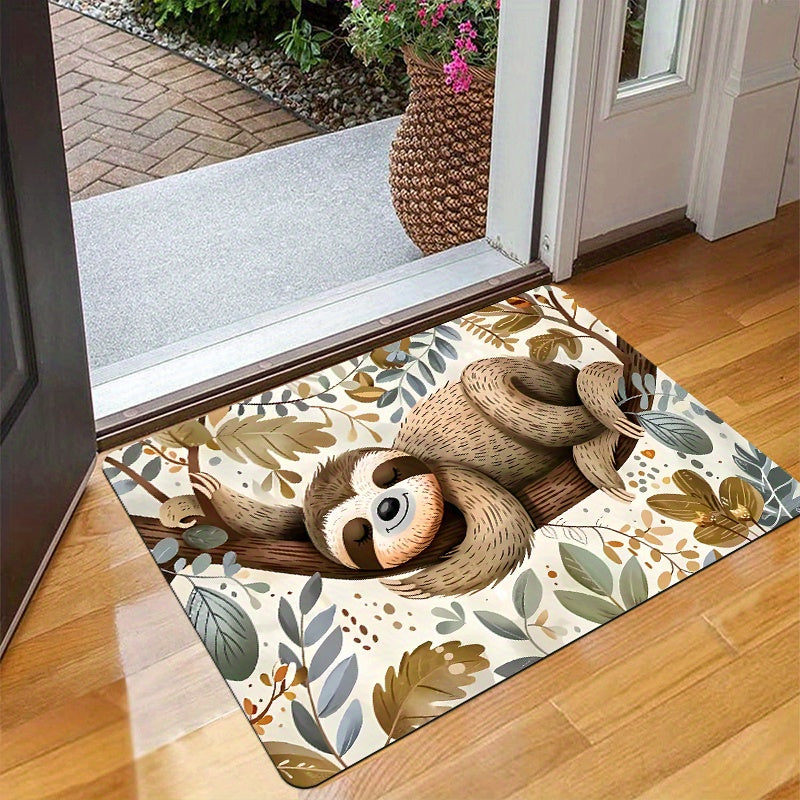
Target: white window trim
624 98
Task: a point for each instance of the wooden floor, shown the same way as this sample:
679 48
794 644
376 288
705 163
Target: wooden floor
694 695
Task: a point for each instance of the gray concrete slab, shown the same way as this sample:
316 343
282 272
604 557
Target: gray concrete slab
185 255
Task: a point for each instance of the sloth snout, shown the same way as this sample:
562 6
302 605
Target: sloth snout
388 509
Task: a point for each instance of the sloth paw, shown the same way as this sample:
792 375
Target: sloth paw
204 483
597 387
179 512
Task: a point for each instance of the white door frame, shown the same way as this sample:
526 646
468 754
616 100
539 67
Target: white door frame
753 76
519 129
573 96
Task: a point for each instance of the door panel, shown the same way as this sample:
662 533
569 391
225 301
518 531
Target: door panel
643 129
48 444
19 375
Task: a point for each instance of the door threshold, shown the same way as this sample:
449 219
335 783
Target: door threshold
631 239
215 369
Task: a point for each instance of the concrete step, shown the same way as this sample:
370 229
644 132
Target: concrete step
168 260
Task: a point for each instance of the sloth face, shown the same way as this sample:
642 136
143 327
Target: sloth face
387 513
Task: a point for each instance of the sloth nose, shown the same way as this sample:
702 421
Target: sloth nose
388 508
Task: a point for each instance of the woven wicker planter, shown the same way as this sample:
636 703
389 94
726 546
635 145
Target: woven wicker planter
439 162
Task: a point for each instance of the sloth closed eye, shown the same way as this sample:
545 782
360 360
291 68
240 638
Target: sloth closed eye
393 480
366 535
396 469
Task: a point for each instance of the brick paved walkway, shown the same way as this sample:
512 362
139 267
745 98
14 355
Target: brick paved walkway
132 111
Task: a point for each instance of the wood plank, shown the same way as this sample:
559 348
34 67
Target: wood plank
650 281
65 768
641 677
667 738
234 766
783 300
764 610
59 725
731 348
758 759
541 734
786 791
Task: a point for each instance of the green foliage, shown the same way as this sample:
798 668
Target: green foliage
227 19
303 43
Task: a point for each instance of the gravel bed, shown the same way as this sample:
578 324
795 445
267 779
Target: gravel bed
339 94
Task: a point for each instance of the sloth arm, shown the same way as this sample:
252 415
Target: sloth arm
248 516
509 391
518 394
598 389
595 460
499 536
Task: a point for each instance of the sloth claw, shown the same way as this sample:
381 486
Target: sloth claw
618 494
595 460
628 428
204 483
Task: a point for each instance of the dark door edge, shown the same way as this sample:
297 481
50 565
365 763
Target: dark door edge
43 564
194 401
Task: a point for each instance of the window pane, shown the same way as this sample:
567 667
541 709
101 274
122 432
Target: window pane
651 39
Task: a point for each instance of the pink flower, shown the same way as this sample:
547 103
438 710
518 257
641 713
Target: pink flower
356 3
457 74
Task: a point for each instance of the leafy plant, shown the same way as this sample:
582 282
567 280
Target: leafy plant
779 489
526 596
425 685
185 434
545 347
338 682
453 618
676 431
497 324
460 33
409 367
227 632
303 43
205 537
721 521
300 766
228 19
263 441
593 573
281 682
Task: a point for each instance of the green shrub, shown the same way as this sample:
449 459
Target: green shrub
303 44
232 19
219 19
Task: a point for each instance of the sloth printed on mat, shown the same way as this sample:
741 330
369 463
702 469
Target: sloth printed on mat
474 445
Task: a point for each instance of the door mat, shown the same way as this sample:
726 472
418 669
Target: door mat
367 548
